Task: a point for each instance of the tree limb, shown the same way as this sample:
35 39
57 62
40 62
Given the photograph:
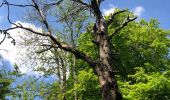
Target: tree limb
7 3
122 26
43 50
3 38
81 2
113 16
57 44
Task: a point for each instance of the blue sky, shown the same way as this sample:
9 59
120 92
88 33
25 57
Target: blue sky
158 9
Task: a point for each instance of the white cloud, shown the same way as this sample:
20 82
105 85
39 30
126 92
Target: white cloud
11 52
138 11
109 11
7 49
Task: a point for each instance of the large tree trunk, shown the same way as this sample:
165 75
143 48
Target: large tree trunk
106 75
105 68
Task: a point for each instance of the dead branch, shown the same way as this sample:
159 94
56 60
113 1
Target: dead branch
127 20
112 17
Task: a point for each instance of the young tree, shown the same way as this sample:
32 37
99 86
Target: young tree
104 65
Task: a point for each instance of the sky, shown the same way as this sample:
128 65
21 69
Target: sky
146 9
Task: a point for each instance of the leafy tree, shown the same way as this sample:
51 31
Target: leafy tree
111 40
142 54
102 66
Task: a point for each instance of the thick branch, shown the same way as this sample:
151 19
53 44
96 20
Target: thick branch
122 26
57 44
96 8
78 54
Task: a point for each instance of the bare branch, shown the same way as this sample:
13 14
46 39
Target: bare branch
18 5
6 34
113 16
42 16
8 16
53 4
27 29
3 38
56 43
43 50
81 2
78 54
122 26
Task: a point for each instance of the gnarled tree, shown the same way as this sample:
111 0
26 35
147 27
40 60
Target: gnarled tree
103 66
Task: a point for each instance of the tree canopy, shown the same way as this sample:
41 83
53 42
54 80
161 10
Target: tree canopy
90 56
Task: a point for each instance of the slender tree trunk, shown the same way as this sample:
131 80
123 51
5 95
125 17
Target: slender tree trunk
59 76
64 70
74 76
73 43
61 73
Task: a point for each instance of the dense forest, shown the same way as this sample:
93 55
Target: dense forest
77 53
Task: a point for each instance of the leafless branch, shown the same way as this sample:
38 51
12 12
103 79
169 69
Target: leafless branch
77 53
43 50
3 38
82 3
57 43
6 34
53 4
128 20
6 3
8 16
113 16
42 16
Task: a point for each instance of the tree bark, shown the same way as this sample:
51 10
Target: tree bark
106 74
104 67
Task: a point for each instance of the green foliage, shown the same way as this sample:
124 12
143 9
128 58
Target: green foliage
86 45
87 86
30 88
5 82
147 86
140 43
142 49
